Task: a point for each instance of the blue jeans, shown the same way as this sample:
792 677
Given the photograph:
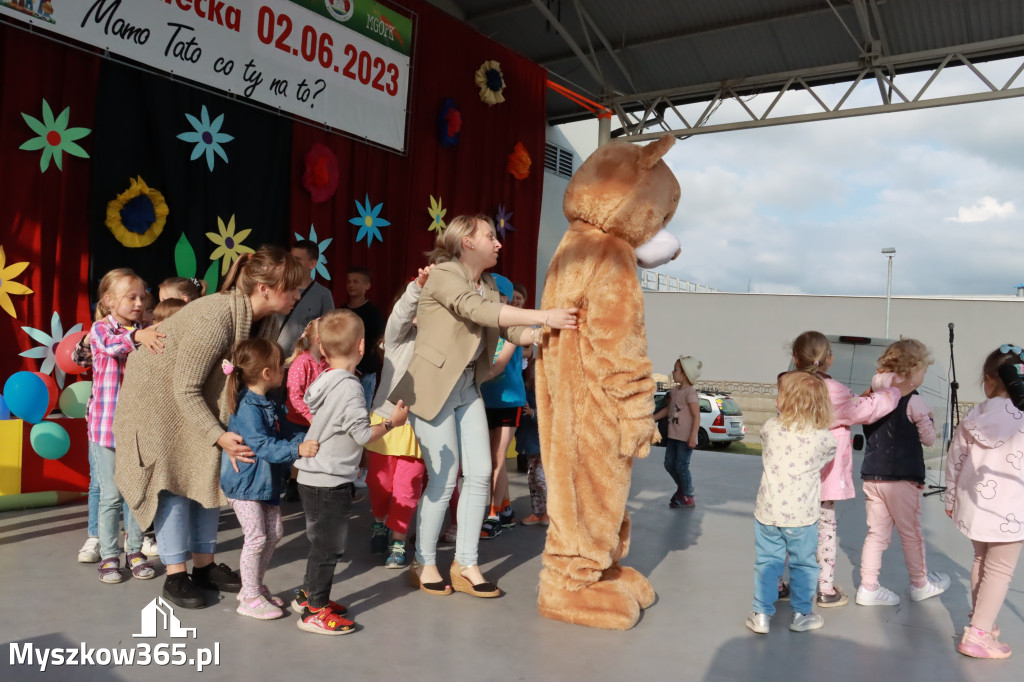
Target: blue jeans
94 496
458 432
677 464
184 525
369 383
111 504
773 544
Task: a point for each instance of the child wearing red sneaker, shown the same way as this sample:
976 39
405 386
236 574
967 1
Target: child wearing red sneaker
985 498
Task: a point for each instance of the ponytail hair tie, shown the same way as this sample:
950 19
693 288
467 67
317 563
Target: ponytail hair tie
816 363
227 367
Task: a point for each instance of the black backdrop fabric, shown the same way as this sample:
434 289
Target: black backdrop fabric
138 119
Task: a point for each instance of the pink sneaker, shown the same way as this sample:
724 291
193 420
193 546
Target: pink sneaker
259 608
980 644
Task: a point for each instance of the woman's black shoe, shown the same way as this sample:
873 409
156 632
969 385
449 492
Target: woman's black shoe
179 590
216 577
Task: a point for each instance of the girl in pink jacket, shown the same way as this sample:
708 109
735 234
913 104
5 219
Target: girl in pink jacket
985 498
812 352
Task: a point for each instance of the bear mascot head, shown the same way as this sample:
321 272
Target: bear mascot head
595 394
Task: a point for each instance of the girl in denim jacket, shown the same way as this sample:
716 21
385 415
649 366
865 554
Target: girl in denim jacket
254 490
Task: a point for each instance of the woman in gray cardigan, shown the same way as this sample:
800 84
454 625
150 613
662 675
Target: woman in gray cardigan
458 319
171 421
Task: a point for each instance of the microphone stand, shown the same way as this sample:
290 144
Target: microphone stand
954 417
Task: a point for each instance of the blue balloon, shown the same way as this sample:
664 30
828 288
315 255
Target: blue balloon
26 396
49 440
4 412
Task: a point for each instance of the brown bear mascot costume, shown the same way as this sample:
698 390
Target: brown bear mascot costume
595 394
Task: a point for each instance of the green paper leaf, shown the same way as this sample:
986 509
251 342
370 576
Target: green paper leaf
211 277
34 144
47 115
62 120
35 124
44 159
73 149
184 258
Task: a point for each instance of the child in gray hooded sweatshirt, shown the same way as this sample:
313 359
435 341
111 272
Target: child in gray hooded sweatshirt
342 425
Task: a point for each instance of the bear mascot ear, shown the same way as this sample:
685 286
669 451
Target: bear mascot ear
653 152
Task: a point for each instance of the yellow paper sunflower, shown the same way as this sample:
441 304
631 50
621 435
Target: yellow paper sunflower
491 82
229 244
137 216
7 284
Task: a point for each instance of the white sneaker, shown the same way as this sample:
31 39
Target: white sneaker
149 547
883 596
90 552
360 481
802 622
758 622
936 585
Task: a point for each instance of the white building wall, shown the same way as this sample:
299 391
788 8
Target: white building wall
552 220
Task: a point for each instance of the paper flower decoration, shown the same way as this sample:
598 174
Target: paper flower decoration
229 244
321 176
47 351
491 82
207 137
436 213
54 137
185 264
321 262
369 221
501 221
137 216
519 162
449 123
7 284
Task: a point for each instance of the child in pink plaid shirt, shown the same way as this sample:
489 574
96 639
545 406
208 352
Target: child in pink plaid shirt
113 335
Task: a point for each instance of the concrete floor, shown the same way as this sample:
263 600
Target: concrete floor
700 562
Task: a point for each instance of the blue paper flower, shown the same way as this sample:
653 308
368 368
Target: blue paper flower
369 222
501 221
321 262
47 351
207 137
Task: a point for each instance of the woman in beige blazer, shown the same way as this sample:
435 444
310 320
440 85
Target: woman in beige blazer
458 319
172 415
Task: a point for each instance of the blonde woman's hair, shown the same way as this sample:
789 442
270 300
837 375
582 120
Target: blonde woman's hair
803 401
304 342
340 333
269 265
106 289
811 351
904 356
448 244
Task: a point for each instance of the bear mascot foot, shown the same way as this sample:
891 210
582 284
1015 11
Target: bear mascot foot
632 581
605 604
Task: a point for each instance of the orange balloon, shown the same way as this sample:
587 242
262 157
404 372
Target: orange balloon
51 388
65 353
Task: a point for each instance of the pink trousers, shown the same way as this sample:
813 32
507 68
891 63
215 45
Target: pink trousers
890 503
395 484
990 579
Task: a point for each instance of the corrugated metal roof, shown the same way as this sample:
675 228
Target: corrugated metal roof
668 45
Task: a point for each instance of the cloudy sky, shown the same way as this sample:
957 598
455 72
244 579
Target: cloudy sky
807 208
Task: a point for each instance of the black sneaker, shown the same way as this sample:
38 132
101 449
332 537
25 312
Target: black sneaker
216 577
507 519
180 591
379 539
490 529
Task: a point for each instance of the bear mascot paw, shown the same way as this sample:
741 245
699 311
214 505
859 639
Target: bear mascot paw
595 394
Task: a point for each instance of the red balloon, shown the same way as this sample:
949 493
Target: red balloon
51 388
65 351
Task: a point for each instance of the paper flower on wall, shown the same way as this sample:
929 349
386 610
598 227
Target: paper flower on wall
321 261
206 136
436 213
47 351
501 221
54 137
229 244
7 284
369 221
321 176
137 216
519 162
491 82
449 123
185 264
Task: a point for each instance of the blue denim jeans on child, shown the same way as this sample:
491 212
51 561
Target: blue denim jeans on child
183 525
773 544
677 464
93 506
111 504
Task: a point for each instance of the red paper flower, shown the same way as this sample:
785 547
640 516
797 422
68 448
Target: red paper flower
321 176
519 162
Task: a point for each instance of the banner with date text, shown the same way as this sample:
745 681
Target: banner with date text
339 63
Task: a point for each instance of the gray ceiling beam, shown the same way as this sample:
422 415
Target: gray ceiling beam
587 63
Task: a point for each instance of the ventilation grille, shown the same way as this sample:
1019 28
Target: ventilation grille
557 160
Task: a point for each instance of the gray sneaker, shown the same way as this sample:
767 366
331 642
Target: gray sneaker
802 622
882 596
759 622
936 585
